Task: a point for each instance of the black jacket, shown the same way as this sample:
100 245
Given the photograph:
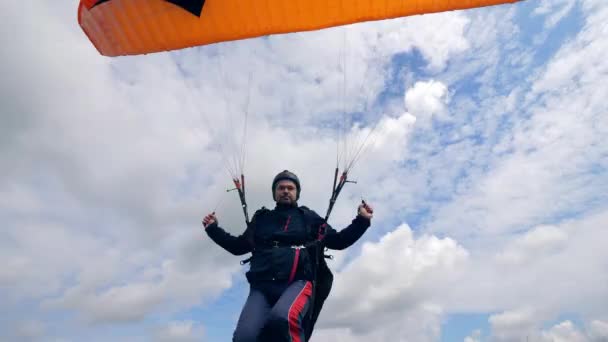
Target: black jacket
285 227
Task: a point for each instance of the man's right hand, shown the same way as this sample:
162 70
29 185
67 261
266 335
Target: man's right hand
209 219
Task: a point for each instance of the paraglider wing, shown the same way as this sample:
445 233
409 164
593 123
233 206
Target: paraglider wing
131 27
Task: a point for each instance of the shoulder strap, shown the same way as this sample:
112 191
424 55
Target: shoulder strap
251 227
250 231
315 222
261 211
311 216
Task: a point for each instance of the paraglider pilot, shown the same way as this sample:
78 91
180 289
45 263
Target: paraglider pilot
289 279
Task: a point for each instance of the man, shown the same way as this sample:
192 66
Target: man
288 277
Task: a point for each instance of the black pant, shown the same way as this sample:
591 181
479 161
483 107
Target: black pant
278 309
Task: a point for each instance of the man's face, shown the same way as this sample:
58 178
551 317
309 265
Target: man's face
285 192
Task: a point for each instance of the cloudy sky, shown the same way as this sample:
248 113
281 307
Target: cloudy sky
486 162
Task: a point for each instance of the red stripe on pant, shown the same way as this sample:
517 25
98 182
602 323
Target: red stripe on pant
295 313
294 268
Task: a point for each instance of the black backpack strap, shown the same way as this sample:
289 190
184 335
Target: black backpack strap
250 231
315 222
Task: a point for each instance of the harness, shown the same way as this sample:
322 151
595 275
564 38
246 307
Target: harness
314 243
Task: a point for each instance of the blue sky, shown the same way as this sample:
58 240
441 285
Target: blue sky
487 168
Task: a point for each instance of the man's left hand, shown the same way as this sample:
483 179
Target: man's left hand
366 211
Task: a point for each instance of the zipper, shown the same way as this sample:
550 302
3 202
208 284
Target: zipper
286 223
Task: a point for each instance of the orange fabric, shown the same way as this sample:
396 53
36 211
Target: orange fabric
129 27
89 3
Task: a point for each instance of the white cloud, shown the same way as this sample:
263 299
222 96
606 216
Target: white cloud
174 284
550 162
556 11
108 166
392 280
541 241
474 337
598 330
180 331
426 100
514 325
437 36
30 330
555 277
420 324
386 141
563 332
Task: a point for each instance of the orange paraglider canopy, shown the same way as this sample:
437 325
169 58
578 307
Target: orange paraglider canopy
131 27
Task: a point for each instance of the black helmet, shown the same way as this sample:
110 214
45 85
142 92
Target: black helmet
286 175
